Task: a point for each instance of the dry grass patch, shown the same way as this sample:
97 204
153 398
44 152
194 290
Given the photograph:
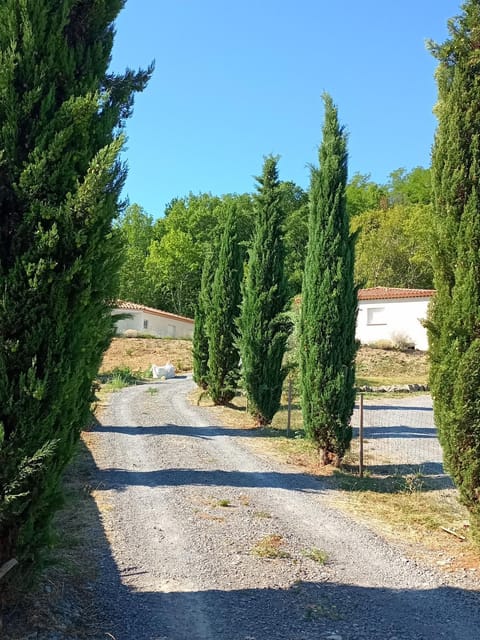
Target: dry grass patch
232 415
210 516
412 510
270 547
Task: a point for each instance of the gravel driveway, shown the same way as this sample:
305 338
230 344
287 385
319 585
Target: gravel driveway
184 502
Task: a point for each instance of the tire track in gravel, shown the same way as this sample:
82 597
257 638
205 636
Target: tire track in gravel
183 565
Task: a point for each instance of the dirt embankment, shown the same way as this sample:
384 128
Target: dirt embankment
140 353
381 366
378 366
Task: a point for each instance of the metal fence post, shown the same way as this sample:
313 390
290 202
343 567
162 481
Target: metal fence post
360 437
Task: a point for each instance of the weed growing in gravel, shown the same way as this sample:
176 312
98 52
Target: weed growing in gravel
262 514
270 547
323 611
223 503
317 555
152 391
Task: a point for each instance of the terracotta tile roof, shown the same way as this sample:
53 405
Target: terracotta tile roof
391 293
133 306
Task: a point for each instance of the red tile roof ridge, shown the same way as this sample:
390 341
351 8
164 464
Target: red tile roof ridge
134 306
392 293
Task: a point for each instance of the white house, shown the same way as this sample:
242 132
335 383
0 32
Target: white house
385 313
152 321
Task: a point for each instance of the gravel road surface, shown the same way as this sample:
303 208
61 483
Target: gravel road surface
184 502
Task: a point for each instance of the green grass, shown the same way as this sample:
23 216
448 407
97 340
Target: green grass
152 391
118 378
317 555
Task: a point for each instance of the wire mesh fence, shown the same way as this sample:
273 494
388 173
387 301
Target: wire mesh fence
399 434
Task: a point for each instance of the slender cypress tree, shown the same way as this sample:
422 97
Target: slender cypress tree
329 301
454 327
264 325
61 113
200 338
223 356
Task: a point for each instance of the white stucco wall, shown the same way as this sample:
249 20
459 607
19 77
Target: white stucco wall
384 319
166 327
157 325
135 322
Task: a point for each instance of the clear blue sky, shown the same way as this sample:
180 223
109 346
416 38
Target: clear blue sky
237 80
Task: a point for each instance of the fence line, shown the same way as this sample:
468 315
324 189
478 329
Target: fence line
391 435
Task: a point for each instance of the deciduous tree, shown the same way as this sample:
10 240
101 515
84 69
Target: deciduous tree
173 269
136 229
393 247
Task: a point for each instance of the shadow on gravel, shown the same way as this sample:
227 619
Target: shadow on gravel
397 431
306 610
122 479
179 430
391 407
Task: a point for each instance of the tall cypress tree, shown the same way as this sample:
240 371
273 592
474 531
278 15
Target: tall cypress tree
329 301
264 326
455 315
200 337
61 113
223 356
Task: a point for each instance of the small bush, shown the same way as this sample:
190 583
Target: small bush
402 341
